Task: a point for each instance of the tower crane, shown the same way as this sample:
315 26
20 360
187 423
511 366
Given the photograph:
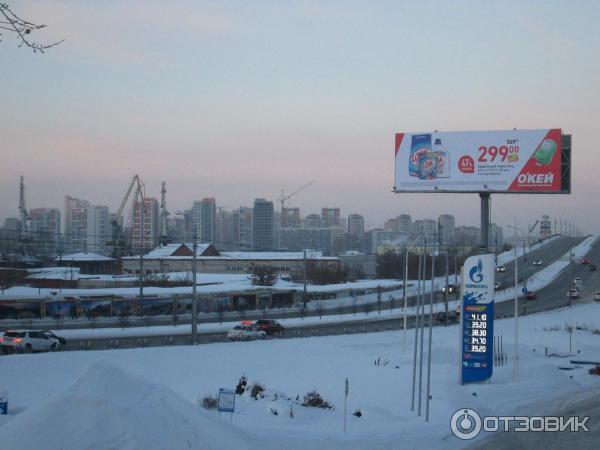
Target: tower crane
139 194
284 197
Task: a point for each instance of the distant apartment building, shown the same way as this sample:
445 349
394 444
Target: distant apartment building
312 221
87 226
377 237
356 231
290 218
176 228
427 227
262 225
404 223
299 239
45 228
150 229
447 229
330 217
242 228
224 230
208 216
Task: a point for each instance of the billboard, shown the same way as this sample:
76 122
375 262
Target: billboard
477 318
510 161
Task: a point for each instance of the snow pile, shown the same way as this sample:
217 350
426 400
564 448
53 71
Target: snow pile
108 408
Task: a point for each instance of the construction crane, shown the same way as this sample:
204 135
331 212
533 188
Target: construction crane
118 242
284 197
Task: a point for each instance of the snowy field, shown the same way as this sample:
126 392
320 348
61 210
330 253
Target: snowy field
148 398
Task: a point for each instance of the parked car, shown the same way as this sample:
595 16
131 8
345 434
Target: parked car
245 333
501 268
60 339
271 327
573 293
537 262
27 341
597 296
530 295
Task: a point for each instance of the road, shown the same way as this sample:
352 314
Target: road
548 298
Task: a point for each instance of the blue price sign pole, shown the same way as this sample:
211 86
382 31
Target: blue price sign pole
477 348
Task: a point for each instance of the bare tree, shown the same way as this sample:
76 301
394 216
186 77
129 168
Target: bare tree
9 21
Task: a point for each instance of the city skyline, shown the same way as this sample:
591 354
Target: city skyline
238 101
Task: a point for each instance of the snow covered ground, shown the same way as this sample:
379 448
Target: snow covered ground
148 398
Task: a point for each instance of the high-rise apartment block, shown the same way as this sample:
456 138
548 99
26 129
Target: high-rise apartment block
262 225
330 217
146 236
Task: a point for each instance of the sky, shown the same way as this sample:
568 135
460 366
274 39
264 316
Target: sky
238 100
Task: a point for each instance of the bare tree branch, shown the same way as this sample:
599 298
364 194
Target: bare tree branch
9 21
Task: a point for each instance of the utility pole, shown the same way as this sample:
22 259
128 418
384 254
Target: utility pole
194 294
405 298
430 330
422 326
141 253
417 315
516 361
304 292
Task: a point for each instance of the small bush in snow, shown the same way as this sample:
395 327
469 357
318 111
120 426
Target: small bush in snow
314 400
241 386
256 391
274 412
209 402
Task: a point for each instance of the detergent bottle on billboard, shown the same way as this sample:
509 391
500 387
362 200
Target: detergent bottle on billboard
545 152
421 144
442 158
428 166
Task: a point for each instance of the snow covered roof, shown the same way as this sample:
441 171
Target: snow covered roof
275 255
83 256
178 251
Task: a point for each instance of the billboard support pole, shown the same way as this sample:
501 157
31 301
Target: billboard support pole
485 221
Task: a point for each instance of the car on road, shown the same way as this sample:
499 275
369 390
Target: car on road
597 296
585 260
501 268
245 333
573 293
530 295
269 326
50 334
537 262
451 289
26 341
497 285
592 267
453 317
577 281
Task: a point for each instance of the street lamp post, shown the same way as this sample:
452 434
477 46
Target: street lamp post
194 292
516 358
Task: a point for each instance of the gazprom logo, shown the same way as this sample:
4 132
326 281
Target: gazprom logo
476 272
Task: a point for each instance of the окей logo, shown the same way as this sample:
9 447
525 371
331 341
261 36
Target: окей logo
476 272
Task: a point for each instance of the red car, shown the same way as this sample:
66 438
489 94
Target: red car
584 260
271 327
530 295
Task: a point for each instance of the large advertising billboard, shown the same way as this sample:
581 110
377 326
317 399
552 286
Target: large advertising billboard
477 318
510 161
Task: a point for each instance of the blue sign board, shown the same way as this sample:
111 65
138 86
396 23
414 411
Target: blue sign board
477 318
226 400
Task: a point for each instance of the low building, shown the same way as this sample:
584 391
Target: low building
90 263
179 257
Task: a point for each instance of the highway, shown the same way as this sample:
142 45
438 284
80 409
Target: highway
550 297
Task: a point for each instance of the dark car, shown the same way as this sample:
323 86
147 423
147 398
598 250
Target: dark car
60 339
271 327
592 267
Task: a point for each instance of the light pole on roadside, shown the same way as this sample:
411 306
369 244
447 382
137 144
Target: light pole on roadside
516 357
